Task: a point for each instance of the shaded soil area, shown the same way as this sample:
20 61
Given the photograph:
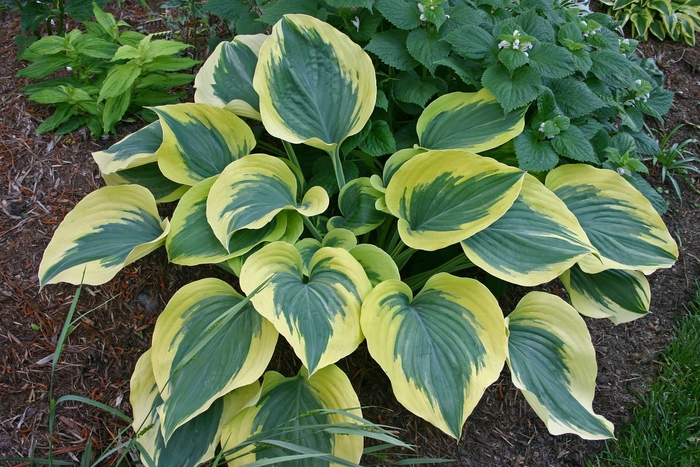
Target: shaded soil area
43 177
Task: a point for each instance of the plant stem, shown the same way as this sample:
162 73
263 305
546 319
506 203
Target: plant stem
456 264
402 258
270 148
337 166
312 228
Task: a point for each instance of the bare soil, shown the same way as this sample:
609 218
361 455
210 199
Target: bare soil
43 177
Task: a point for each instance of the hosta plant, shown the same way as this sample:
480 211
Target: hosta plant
387 256
674 19
113 73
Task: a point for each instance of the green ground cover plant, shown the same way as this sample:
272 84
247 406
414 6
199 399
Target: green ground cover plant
673 19
675 160
333 243
665 429
114 72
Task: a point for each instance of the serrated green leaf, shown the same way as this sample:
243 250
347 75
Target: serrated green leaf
474 42
413 89
512 90
379 140
403 14
551 61
512 58
571 143
574 98
230 10
533 154
390 47
273 11
427 48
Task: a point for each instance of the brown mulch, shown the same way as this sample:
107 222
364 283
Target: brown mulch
43 177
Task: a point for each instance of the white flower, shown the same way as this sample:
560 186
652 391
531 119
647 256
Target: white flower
69 68
503 44
356 22
516 42
638 82
516 46
516 33
541 128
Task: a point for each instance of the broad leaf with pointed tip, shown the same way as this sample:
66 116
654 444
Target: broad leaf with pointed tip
440 349
226 78
356 202
191 240
108 229
622 296
536 240
552 360
192 444
618 220
444 197
285 407
316 86
377 263
200 140
136 149
473 121
148 175
319 315
252 190
206 343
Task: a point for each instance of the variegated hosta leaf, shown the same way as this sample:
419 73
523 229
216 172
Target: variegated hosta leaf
285 407
191 240
619 295
226 78
395 162
440 349
138 148
203 347
356 202
319 316
443 197
192 444
473 121
239 399
252 190
618 220
340 238
316 86
200 140
536 240
307 248
148 175
552 360
377 263
108 229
